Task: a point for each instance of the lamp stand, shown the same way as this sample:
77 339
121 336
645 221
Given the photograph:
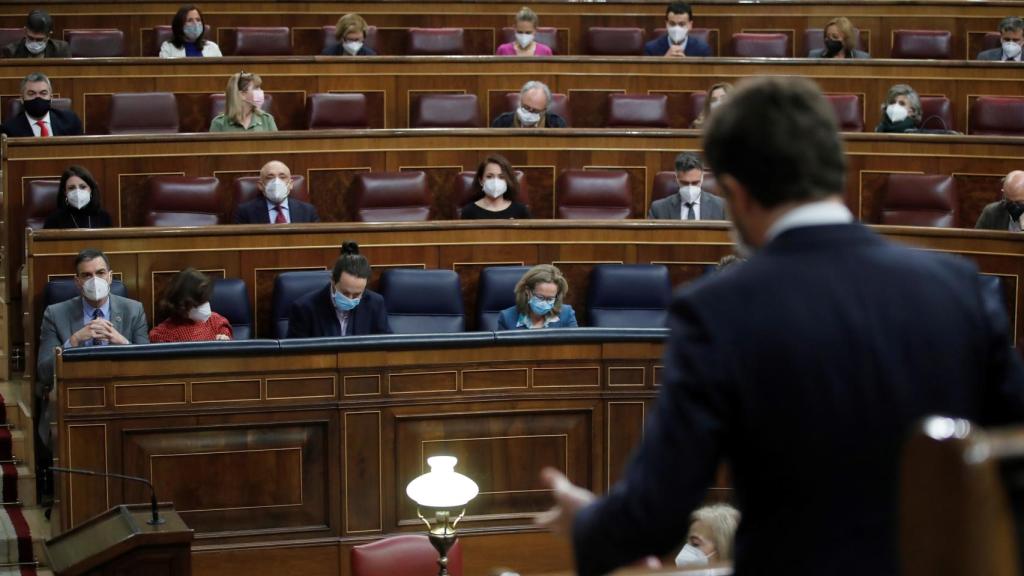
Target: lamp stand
442 536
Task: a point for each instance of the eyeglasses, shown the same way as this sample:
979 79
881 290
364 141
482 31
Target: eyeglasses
544 298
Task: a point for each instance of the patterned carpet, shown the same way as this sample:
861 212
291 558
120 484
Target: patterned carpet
16 552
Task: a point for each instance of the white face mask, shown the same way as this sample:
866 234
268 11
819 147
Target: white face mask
276 190
35 47
896 113
495 187
352 48
689 193
527 118
1011 49
95 289
677 34
524 40
715 104
79 197
200 313
690 555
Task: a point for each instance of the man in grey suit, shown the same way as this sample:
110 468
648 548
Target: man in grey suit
1008 213
690 203
1011 38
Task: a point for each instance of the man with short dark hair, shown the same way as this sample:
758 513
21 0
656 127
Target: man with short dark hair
805 367
37 117
1011 38
676 41
1006 214
691 203
38 41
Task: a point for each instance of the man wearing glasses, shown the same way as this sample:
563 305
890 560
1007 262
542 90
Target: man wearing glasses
533 110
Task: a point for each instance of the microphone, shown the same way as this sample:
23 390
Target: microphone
154 521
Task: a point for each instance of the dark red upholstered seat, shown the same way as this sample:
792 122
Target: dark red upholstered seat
559 105
182 201
95 43
921 200
40 202
11 35
263 41
326 111
463 193
750 45
637 111
143 113
603 41
391 197
989 41
245 188
444 111
937 113
849 111
922 44
544 35
217 105
594 194
162 33
330 41
404 555
996 115
435 42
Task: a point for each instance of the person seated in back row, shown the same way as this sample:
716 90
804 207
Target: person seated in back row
350 32
525 43
540 302
275 205
1011 38
902 111
533 110
243 102
37 118
79 202
187 36
840 41
345 307
691 203
38 41
187 313
676 41
495 190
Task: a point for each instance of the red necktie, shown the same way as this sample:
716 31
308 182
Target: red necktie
43 131
280 219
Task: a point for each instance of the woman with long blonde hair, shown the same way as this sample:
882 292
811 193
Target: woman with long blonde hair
243 101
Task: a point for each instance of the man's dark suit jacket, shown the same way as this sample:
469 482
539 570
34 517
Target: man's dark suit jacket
54 49
994 217
313 316
805 367
694 47
255 212
62 123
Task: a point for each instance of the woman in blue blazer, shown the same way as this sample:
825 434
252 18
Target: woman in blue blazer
540 296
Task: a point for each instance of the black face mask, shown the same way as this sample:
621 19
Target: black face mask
36 107
833 47
1014 208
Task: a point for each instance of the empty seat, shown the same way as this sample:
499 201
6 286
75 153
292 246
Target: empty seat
496 292
989 41
143 113
246 188
63 289
326 111
182 201
407 554
628 296
217 105
391 197
288 287
697 100
423 301
14 106
162 33
330 40
637 111
40 202
996 115
814 39
444 111
11 35
666 184
603 41
559 105
937 113
594 194
435 42
263 41
849 111
922 44
749 45
230 299
98 43
920 200
464 193
544 35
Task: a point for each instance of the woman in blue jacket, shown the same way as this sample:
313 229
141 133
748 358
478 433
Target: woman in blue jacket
540 296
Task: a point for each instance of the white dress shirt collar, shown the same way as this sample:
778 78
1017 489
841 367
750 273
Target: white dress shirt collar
36 130
819 213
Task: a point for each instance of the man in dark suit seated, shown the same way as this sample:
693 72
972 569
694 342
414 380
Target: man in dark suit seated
805 367
691 203
1011 38
533 111
676 40
1008 213
38 41
345 307
275 206
37 118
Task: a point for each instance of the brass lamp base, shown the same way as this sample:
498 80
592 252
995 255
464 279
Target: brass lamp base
442 536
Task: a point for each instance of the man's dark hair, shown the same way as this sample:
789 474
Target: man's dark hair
778 137
39 21
350 261
90 254
1010 24
178 27
687 161
679 8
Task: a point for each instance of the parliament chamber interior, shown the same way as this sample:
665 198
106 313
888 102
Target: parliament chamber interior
276 454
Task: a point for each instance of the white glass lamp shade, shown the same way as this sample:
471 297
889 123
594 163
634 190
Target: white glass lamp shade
442 487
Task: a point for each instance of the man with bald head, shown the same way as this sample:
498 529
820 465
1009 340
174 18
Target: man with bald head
1008 213
275 206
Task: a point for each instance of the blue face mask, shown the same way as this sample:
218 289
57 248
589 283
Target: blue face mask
541 306
344 303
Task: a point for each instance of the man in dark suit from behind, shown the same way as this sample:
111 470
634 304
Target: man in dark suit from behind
1011 42
37 118
805 367
275 204
1008 213
676 41
690 202
38 41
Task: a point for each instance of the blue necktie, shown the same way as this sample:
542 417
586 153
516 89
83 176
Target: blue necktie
97 313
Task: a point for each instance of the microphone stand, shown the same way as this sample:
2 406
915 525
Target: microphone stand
156 520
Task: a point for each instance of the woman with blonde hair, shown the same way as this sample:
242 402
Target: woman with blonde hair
540 302
717 95
243 99
525 43
840 41
350 32
712 532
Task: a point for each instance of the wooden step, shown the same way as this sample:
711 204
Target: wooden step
12 393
